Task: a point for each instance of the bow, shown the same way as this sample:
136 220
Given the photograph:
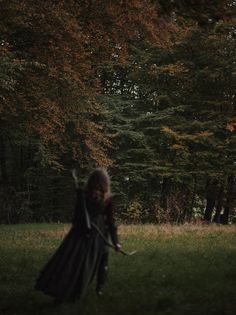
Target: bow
109 244
89 223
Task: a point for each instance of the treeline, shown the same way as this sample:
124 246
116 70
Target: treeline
145 88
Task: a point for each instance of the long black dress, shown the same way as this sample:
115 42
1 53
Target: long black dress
77 260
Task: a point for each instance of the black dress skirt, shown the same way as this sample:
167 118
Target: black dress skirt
73 266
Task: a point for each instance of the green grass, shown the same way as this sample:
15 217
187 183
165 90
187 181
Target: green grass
178 270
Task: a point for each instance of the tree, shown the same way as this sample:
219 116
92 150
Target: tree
181 103
51 54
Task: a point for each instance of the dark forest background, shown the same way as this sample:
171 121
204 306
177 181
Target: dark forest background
144 88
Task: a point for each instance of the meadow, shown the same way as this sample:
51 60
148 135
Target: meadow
179 270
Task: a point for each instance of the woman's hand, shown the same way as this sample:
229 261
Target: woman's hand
118 247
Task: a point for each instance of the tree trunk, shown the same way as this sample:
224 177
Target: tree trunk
219 205
211 199
224 219
166 185
3 167
192 201
209 209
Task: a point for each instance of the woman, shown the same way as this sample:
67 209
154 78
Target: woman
83 253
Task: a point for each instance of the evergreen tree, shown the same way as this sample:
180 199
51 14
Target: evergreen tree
178 106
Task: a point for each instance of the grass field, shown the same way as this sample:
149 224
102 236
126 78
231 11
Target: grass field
178 270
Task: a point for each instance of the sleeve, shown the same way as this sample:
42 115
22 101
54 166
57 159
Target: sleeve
110 221
80 221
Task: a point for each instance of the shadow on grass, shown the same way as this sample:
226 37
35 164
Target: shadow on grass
25 304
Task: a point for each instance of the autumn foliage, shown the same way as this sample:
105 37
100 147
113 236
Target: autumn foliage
54 58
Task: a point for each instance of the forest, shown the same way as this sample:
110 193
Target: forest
144 88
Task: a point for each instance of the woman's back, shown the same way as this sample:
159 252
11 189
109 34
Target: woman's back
83 252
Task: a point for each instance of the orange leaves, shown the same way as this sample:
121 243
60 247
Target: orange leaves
168 131
205 134
76 38
231 125
178 147
95 153
72 40
138 19
180 136
171 69
47 121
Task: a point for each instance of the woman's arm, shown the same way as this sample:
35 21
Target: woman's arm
111 224
80 218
